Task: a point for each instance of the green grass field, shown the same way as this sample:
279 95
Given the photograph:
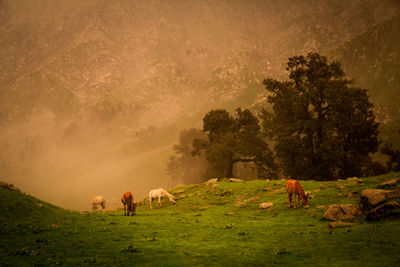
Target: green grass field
205 227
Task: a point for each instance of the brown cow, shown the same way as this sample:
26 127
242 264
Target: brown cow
294 188
129 205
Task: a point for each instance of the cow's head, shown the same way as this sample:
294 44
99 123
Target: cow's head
172 200
133 208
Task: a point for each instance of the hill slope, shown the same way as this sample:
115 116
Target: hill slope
210 224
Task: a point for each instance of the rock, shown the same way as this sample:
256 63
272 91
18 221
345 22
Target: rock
179 192
320 207
266 205
342 212
391 184
340 224
211 181
387 209
235 180
180 197
371 198
316 190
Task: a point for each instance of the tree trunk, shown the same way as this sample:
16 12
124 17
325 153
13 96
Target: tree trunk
229 171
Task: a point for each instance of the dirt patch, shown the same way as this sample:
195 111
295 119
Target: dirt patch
277 191
239 203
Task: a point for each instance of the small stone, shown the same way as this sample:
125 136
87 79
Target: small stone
266 205
211 181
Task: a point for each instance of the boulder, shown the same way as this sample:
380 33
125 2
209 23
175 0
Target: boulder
342 212
391 184
266 205
371 198
387 209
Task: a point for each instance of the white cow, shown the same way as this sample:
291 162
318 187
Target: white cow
98 201
160 193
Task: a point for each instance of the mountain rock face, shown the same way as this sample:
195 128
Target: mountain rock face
373 60
93 92
133 56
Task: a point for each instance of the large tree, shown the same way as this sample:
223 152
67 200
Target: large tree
322 126
183 166
233 139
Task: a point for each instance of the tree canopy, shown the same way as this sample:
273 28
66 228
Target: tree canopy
233 139
322 126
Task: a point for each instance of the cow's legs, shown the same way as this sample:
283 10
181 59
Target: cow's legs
294 200
298 201
150 199
290 199
159 202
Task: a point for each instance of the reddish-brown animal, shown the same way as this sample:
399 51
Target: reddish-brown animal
129 205
294 188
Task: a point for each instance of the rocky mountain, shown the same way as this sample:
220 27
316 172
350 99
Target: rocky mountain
373 60
93 92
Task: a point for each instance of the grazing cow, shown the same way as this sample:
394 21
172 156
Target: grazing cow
294 188
160 193
98 201
129 205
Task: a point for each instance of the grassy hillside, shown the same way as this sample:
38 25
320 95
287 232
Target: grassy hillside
213 225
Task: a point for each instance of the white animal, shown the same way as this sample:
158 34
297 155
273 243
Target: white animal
98 201
160 193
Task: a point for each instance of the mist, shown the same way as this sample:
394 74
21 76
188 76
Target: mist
94 94
68 165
